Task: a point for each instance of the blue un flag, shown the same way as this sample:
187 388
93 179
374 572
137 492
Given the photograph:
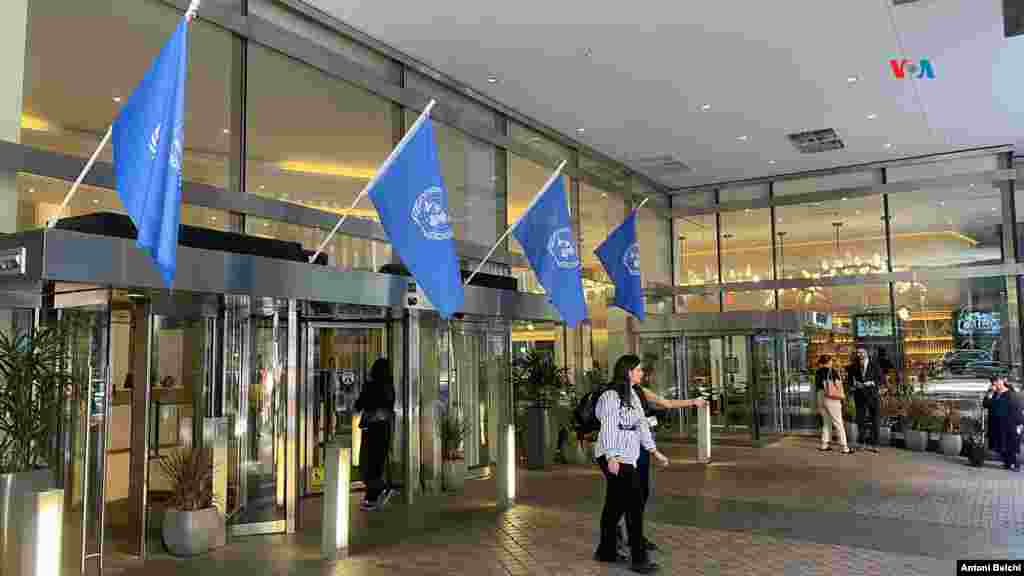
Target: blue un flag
545 234
413 206
620 256
148 137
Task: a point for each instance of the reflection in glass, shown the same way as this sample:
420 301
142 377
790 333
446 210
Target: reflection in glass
842 237
697 261
746 246
600 212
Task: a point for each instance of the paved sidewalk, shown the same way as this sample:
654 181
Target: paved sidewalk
786 509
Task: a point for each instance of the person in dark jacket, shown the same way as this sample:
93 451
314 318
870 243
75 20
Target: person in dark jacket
864 377
1004 418
377 405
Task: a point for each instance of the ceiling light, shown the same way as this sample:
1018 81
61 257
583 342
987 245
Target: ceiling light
117 99
213 218
326 169
226 131
266 223
851 79
943 203
888 145
36 123
262 187
31 190
95 201
741 138
581 130
588 53
492 79
706 107
844 197
771 162
748 210
872 116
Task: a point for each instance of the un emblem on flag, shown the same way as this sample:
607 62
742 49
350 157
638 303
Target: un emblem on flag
429 213
631 259
563 249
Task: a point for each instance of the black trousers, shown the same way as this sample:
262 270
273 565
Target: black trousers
376 443
643 471
868 406
623 495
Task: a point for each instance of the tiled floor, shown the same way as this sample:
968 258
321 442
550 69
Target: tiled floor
785 509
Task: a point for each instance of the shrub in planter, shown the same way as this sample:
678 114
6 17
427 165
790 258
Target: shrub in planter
918 422
453 430
950 443
538 380
850 420
191 525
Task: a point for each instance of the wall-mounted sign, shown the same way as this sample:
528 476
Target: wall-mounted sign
977 323
873 326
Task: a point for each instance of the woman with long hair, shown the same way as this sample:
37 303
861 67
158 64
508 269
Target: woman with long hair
624 433
830 409
377 404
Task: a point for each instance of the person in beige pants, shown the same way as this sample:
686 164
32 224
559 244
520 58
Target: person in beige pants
831 410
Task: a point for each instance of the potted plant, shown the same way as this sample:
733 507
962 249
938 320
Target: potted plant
950 443
917 423
537 380
453 430
192 525
890 407
33 385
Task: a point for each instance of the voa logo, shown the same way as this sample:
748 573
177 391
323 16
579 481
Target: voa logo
903 69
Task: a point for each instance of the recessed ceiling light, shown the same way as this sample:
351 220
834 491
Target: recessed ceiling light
771 161
492 79
971 186
706 107
872 116
748 210
117 98
844 197
581 130
942 203
262 187
226 131
31 190
95 201
993 209
851 79
888 145
741 138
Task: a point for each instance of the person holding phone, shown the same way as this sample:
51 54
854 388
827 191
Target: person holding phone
864 377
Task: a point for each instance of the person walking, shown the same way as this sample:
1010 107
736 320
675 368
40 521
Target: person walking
377 405
624 433
864 377
830 407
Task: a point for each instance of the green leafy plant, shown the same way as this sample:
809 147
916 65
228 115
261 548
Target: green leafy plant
950 419
595 378
921 414
33 384
453 430
849 410
190 473
537 379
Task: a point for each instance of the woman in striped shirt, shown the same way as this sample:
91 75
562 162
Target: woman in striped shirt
624 433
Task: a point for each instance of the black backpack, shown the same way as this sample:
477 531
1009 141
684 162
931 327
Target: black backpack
585 414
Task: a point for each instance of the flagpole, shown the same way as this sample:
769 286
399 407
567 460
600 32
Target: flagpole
641 204
81 176
380 172
533 202
190 14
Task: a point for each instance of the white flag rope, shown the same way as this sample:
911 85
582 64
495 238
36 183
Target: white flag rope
556 174
190 15
380 172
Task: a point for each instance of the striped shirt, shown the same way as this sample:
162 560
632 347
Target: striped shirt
623 430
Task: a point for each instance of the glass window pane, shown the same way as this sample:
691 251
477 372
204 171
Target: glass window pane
467 110
71 96
697 261
344 252
824 239
526 179
469 169
955 333
822 183
312 140
654 232
846 316
746 245
39 199
697 199
754 300
689 303
606 171
946 227
940 169
600 212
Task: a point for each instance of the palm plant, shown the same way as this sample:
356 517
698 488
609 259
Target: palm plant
537 379
453 430
190 472
33 383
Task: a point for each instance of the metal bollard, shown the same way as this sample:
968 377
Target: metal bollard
336 521
704 433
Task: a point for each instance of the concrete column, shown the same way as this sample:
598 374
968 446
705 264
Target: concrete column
13 42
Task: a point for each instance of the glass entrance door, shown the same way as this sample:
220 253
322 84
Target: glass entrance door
767 389
338 358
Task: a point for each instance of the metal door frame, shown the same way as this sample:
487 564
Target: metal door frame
308 404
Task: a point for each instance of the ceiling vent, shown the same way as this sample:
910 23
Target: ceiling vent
663 169
815 141
898 2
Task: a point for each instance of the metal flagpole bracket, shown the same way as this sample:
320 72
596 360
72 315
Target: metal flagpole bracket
190 14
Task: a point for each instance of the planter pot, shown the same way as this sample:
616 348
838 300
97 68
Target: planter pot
536 437
454 475
916 440
851 433
885 436
576 452
190 533
951 444
13 489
